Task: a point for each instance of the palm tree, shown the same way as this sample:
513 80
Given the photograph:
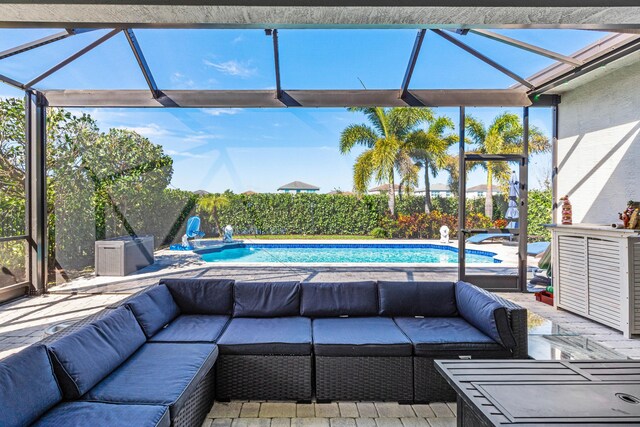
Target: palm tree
428 148
385 141
503 136
210 205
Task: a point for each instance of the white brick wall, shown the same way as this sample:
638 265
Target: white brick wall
599 145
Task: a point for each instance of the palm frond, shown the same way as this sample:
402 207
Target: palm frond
357 135
363 171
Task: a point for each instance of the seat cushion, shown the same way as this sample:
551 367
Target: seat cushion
157 374
434 335
429 299
339 299
266 299
192 328
267 336
28 387
485 313
83 358
201 296
95 414
359 336
154 309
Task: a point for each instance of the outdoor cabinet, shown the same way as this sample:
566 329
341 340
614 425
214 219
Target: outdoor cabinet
120 256
596 274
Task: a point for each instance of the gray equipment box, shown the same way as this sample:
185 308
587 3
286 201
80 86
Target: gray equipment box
120 256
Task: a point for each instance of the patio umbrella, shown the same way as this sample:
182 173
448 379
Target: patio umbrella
513 213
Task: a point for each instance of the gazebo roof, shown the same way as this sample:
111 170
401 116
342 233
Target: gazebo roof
298 185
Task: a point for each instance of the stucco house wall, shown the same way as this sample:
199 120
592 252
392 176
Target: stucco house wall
599 145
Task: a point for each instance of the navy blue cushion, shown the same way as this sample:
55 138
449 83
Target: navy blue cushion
429 299
95 414
202 296
157 374
339 299
192 328
359 336
154 309
485 313
27 387
267 336
434 335
266 299
85 357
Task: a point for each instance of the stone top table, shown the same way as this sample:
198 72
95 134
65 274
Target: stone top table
540 392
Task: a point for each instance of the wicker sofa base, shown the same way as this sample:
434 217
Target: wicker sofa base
430 386
264 377
364 378
199 403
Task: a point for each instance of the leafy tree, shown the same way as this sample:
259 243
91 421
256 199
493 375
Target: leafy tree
211 204
386 149
429 149
503 136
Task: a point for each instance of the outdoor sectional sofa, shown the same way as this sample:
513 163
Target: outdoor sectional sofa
161 357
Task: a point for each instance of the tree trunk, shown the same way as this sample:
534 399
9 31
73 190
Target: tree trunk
217 221
427 191
488 202
392 195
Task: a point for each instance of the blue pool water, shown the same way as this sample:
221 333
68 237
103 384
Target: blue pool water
342 253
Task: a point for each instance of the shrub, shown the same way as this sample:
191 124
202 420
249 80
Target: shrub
379 233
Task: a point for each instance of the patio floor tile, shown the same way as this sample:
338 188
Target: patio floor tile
365 422
367 409
394 410
250 410
278 410
251 422
342 422
441 410
388 422
305 410
328 410
424 411
280 422
442 422
414 422
348 410
225 410
310 422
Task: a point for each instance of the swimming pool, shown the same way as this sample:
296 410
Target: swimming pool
341 253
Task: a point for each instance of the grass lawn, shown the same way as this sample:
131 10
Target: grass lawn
302 237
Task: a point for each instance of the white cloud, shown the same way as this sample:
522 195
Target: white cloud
188 154
238 39
182 81
222 111
232 68
150 131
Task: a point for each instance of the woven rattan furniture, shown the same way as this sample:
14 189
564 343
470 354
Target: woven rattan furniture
544 392
161 356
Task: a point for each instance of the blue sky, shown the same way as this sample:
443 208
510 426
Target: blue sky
261 149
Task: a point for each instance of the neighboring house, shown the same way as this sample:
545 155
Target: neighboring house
481 191
201 192
436 190
298 187
343 193
384 189
249 193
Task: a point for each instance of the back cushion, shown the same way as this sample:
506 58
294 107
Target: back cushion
154 309
85 357
429 299
201 296
485 313
27 387
339 299
266 299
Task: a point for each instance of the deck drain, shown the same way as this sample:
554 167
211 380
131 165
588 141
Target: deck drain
627 398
